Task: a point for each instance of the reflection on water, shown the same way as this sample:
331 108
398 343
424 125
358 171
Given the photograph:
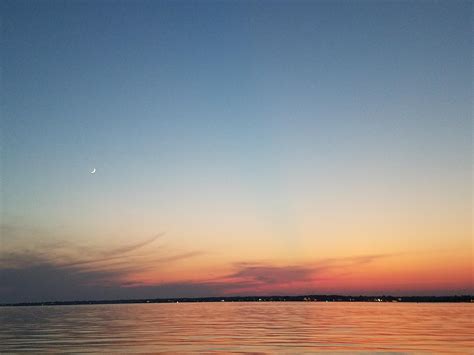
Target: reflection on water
239 327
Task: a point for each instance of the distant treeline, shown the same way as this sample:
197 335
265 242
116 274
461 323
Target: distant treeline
304 298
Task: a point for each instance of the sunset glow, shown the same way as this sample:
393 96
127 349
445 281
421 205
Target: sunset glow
238 148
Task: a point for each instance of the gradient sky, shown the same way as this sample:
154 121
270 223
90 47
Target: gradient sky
241 147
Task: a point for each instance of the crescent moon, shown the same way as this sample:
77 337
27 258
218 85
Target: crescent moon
93 171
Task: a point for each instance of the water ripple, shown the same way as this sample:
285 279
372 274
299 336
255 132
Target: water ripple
296 327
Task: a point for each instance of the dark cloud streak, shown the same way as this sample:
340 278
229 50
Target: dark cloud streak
66 271
132 247
34 277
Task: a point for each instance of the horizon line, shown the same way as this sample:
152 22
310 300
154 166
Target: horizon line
462 298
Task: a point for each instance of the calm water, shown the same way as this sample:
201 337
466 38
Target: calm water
240 327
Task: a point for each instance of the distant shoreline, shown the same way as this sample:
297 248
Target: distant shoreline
302 298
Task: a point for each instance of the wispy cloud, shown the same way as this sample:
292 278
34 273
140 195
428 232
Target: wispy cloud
62 270
267 274
37 278
268 277
129 248
102 256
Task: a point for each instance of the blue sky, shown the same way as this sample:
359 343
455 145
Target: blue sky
200 116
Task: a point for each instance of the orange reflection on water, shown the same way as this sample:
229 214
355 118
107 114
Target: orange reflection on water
240 327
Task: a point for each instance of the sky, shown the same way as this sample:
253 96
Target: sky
240 147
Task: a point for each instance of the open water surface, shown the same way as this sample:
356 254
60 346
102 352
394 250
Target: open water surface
260 327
